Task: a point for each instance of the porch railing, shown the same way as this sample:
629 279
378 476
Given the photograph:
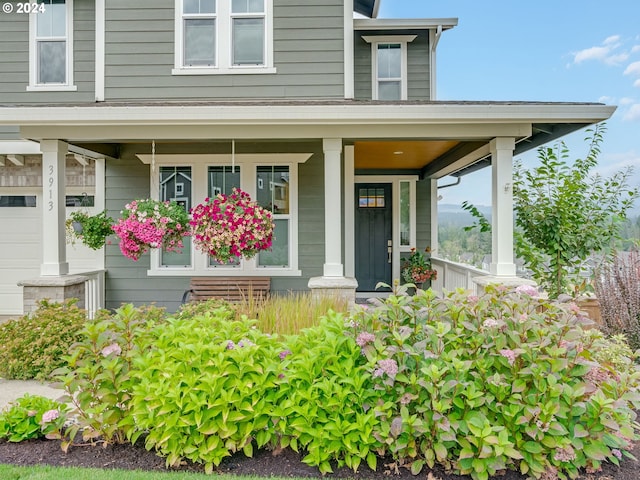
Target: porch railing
452 275
93 291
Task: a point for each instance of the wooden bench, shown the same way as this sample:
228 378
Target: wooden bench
232 289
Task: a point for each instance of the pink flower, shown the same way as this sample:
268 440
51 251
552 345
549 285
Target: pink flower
365 338
109 349
388 366
528 290
510 355
50 416
617 453
490 323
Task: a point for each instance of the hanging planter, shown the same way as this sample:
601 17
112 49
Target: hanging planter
149 224
228 226
91 230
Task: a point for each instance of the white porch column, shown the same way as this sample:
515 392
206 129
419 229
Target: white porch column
333 266
349 211
502 261
54 249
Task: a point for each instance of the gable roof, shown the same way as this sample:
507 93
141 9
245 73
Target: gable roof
368 8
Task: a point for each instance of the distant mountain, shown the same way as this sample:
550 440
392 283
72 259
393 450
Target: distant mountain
453 215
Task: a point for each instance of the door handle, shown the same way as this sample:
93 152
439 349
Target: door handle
389 250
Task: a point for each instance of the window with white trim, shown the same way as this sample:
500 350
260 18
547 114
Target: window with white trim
270 179
224 36
51 46
389 66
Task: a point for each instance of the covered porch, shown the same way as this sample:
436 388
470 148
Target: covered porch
347 158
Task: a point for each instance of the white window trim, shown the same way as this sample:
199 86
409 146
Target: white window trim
248 164
395 180
224 44
34 86
376 40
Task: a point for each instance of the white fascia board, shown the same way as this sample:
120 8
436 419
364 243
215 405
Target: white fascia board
403 24
19 147
371 114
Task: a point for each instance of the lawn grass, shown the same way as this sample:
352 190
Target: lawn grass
45 472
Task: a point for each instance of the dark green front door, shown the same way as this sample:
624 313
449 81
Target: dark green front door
373 227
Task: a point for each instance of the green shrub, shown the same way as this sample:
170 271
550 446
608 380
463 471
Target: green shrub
503 381
32 416
34 345
325 400
98 376
204 388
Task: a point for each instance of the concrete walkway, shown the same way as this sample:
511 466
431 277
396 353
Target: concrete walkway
11 390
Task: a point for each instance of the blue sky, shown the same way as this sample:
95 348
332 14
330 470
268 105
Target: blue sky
548 50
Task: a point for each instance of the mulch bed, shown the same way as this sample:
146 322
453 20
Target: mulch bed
264 463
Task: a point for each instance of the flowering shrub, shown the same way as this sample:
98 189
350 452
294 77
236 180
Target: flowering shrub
149 224
229 226
417 268
502 381
32 416
33 346
205 389
98 375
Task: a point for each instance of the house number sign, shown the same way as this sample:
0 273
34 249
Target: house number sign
51 180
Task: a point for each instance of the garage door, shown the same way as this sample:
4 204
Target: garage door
20 247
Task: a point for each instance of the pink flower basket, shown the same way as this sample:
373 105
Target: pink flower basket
149 224
228 226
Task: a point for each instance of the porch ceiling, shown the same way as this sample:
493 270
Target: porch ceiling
393 155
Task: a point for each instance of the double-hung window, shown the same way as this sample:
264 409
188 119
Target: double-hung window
224 36
51 46
389 66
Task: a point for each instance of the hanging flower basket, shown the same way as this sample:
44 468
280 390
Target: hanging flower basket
91 230
149 224
228 226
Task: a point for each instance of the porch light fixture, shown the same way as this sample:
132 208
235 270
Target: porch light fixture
398 152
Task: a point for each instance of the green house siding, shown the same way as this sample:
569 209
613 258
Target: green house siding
423 214
14 58
128 179
418 68
307 43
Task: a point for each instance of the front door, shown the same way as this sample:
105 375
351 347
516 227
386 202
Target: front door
373 230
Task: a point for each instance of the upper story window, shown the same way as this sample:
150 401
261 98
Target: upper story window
51 46
389 66
224 36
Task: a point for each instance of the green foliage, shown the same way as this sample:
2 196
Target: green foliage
23 419
324 402
501 381
555 201
289 313
204 388
94 228
98 376
34 345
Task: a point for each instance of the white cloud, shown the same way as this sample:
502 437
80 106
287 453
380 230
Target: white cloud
626 101
633 114
633 69
603 53
635 49
611 39
637 83
606 99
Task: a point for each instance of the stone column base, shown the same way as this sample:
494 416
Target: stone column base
341 287
510 282
56 289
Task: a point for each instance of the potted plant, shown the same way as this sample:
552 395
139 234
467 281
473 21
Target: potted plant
228 226
149 224
92 230
417 268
